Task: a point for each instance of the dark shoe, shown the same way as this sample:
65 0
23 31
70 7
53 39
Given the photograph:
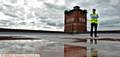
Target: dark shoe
91 35
96 36
91 41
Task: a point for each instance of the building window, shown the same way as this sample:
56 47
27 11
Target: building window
70 20
82 20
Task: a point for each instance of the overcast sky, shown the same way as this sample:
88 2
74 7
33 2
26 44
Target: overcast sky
49 14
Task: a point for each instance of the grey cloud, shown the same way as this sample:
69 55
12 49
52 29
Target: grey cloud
22 23
30 15
12 11
13 1
41 13
4 21
43 20
1 8
101 2
53 6
51 24
7 23
43 17
110 23
110 10
51 15
47 27
55 24
40 0
10 14
60 25
114 2
12 24
8 6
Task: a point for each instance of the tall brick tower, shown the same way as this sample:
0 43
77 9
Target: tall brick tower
75 20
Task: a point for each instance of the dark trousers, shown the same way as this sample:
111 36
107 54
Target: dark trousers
93 26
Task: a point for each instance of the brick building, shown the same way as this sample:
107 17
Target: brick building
75 20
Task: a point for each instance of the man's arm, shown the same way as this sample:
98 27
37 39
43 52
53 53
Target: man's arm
97 16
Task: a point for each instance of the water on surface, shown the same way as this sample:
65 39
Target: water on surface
107 48
45 48
103 48
75 48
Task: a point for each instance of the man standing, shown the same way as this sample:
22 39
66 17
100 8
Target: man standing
94 22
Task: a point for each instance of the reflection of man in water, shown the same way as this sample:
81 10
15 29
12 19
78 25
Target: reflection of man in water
94 21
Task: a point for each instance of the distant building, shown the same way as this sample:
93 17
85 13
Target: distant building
75 20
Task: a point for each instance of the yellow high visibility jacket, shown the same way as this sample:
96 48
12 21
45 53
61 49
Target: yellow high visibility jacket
94 18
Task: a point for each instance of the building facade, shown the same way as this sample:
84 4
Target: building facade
75 20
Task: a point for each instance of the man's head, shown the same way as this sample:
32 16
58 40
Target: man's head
94 10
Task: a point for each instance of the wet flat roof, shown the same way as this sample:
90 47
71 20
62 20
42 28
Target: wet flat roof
17 38
43 31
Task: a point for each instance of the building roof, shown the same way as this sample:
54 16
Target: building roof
76 8
61 32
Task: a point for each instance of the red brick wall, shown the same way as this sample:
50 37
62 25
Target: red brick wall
79 24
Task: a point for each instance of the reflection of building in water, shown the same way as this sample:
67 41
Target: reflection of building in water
75 20
94 52
74 51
